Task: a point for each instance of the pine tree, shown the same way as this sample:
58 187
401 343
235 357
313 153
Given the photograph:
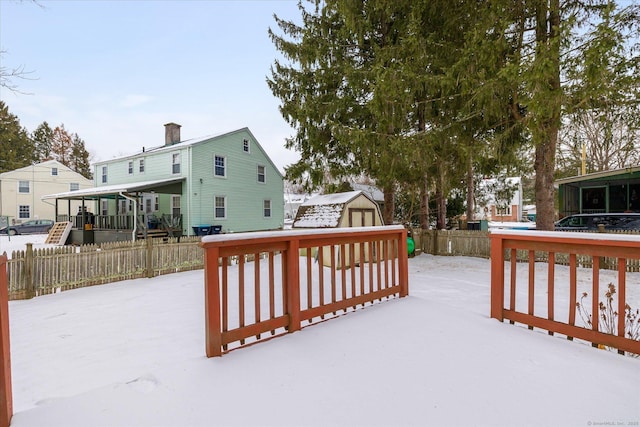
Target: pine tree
16 149
42 139
80 157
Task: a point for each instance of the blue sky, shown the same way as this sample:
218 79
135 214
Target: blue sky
116 71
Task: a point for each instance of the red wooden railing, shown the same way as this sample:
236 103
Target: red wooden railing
622 247
6 394
298 276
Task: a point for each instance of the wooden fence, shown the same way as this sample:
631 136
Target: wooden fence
544 316
308 275
44 271
478 244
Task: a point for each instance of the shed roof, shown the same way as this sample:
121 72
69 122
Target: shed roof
325 211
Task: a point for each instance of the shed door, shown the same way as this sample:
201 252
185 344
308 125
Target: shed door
361 217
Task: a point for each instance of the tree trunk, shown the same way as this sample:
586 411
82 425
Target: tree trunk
470 191
548 50
441 204
389 205
424 204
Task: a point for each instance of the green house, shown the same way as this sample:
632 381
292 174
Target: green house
600 192
225 183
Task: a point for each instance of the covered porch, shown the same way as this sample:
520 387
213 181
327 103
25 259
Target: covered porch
119 213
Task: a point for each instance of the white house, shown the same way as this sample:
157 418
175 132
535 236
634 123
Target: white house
491 208
21 190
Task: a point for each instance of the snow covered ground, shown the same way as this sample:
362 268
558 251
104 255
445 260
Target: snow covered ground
132 354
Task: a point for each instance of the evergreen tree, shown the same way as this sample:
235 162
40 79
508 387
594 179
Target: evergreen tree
16 149
42 139
80 157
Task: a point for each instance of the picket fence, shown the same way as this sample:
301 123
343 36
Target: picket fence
34 272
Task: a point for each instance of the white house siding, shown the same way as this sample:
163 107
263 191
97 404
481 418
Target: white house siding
41 182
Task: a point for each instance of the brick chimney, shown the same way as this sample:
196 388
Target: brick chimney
171 133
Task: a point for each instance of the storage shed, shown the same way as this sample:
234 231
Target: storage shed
349 209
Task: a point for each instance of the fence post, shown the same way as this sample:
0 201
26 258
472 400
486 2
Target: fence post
28 272
497 277
6 393
149 246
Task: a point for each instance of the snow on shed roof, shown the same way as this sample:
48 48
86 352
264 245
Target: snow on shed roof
331 199
324 211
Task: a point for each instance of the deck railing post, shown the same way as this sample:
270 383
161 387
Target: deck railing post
213 324
6 393
293 284
497 277
403 265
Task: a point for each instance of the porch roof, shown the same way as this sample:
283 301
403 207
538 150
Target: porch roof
164 186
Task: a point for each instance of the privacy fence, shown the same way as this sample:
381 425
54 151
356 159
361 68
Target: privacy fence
478 244
34 272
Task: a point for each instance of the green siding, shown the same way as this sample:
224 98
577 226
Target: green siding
245 195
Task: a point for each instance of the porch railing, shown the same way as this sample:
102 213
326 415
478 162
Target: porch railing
298 276
545 315
125 221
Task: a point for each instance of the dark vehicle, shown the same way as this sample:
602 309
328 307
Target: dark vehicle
590 222
32 226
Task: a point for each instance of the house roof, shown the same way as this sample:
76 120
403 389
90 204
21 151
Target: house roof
188 143
166 186
598 175
325 211
52 163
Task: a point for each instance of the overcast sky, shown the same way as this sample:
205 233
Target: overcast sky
115 72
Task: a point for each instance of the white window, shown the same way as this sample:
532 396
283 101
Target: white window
104 174
141 166
130 167
245 146
122 206
54 171
262 175
24 211
74 186
175 163
175 206
219 166
23 186
104 207
220 207
267 208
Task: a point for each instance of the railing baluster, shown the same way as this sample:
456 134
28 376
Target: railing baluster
272 288
622 296
256 287
241 293
532 281
551 265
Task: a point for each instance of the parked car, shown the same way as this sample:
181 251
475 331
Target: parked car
33 226
590 222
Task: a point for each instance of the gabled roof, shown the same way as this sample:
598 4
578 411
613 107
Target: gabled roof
52 163
325 211
189 143
165 186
